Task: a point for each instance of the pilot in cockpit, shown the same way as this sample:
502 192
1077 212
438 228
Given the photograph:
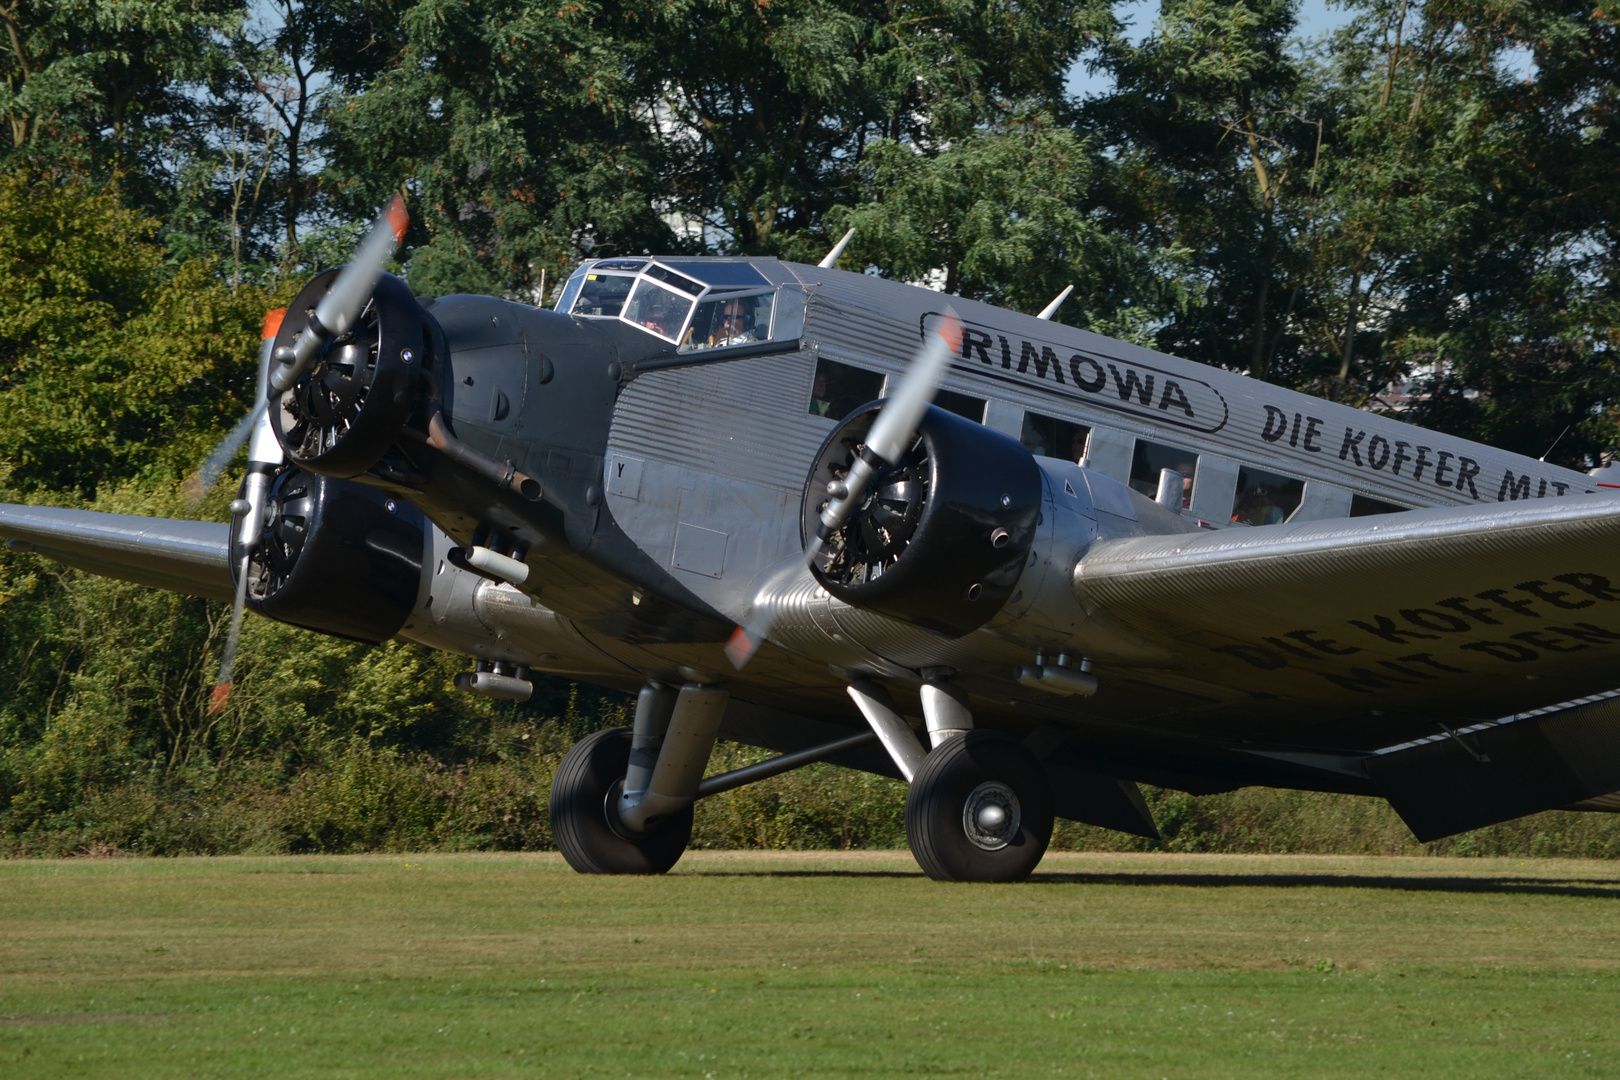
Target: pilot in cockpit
734 325
658 320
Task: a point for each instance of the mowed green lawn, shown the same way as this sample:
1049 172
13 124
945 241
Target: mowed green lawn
808 965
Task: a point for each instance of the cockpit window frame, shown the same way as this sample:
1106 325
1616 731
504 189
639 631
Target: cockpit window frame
683 279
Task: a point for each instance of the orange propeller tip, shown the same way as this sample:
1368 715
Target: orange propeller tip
272 323
740 648
398 218
217 699
950 328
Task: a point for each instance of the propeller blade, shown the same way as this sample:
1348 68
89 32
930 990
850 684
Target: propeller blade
208 473
221 694
898 420
248 509
888 441
340 308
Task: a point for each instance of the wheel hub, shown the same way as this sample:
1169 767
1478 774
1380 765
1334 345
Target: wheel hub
991 815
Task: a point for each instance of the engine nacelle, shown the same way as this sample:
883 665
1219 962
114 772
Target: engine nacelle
335 556
351 404
940 539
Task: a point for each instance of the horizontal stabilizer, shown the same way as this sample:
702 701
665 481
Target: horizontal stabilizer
191 557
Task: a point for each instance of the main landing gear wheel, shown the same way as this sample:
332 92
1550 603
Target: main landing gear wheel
979 809
585 817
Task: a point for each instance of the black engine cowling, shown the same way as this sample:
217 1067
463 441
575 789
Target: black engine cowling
335 556
351 404
938 540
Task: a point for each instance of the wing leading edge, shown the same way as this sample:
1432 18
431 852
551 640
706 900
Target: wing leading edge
191 557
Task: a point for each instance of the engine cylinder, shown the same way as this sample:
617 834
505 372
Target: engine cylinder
938 540
335 556
349 407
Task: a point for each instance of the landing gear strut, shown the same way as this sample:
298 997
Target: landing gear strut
585 819
979 809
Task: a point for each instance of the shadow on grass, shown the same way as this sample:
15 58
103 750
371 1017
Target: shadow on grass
1459 884
1601 889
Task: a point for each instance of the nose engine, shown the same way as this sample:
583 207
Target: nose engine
940 538
349 406
335 556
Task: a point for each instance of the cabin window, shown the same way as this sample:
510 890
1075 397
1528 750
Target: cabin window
729 320
602 294
840 389
654 307
1366 506
1047 436
1151 458
1265 498
961 404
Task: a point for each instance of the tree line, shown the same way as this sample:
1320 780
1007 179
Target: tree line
1416 212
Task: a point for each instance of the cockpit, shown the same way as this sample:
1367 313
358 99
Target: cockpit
693 304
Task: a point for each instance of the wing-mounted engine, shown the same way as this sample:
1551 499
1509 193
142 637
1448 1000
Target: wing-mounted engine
939 539
335 556
350 404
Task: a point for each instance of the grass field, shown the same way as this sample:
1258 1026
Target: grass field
801 964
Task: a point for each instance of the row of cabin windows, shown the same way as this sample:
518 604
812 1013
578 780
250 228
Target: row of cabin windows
1262 497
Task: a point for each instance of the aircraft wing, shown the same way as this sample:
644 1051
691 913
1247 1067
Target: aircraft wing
189 557
1447 615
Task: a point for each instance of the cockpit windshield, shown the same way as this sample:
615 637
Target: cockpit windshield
695 304
602 295
730 320
656 307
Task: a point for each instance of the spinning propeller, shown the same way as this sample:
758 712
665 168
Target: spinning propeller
887 444
337 313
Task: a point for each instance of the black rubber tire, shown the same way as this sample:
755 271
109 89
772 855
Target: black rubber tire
938 797
589 773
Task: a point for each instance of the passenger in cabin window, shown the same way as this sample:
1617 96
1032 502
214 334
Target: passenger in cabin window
1264 497
1256 508
1186 469
839 389
819 404
1050 436
1152 458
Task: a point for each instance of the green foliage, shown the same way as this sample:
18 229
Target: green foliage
533 154
105 77
999 216
113 363
766 112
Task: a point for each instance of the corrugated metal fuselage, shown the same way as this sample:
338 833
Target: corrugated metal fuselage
678 481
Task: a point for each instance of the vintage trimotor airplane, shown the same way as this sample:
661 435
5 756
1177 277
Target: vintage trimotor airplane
1026 571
